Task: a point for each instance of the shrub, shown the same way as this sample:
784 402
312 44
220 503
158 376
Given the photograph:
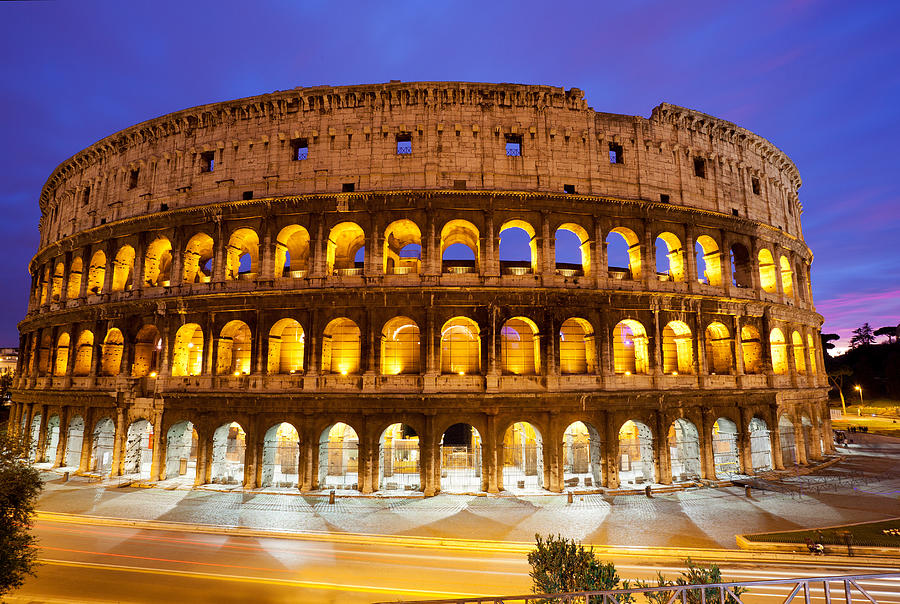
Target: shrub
559 565
695 574
20 485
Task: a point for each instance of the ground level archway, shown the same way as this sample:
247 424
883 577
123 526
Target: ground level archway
339 457
581 456
726 460
398 459
461 459
636 464
102 443
281 457
74 442
523 458
138 449
181 452
684 450
760 445
229 448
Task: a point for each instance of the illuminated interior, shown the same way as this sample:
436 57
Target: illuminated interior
787 277
234 347
718 349
84 353
281 457
76 268
56 289
461 232
339 457
669 247
229 448
398 237
711 261
147 351
62 354
460 346
158 262
292 252
799 353
399 454
584 245
767 274
751 348
344 240
523 457
779 352
635 453
45 353
97 272
740 266
683 441
198 255
630 348
242 254
519 347
400 347
677 348
581 455
633 254
123 269
577 350
811 345
111 354
341 347
286 347
187 356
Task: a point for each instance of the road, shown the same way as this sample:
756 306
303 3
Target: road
98 563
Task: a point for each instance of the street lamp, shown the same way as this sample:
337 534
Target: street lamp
858 388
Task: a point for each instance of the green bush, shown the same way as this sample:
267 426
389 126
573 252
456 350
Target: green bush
696 574
559 565
20 485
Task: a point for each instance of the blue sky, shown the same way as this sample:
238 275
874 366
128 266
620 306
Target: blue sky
820 79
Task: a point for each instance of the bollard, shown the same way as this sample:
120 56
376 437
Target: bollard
65 477
570 496
747 490
331 496
647 491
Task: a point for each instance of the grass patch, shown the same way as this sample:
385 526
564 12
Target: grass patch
868 534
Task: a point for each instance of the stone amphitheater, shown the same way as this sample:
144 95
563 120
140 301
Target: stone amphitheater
423 287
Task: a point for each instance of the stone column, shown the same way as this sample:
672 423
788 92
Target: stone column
611 457
431 251
252 456
110 252
87 440
40 452
308 446
657 368
118 442
800 440
267 256
707 455
490 251
429 454
552 450
775 438
546 263
745 450
157 460
220 246
690 257
661 449
59 455
491 456
137 270
738 345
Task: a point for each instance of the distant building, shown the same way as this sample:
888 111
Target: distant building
9 358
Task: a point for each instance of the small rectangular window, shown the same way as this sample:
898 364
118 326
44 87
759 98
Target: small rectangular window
570 189
163 207
734 212
663 198
86 196
299 149
404 144
459 185
616 156
248 195
348 187
133 178
699 167
208 161
754 182
513 145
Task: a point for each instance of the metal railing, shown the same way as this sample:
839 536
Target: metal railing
834 589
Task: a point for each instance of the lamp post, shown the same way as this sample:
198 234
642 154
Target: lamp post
858 388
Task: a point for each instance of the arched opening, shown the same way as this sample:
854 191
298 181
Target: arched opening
523 458
740 266
630 348
62 354
768 277
802 283
111 353
677 349
341 347
292 252
779 352
187 356
84 353
74 442
460 247
460 346
760 445
718 349
400 352
233 357
709 261
581 456
138 449
34 437
460 459
518 248
751 348
228 452
806 428
181 452
402 253
684 450
286 347
577 350
788 441
198 255
123 269
51 440
281 457
102 443
45 353
726 460
636 453
669 258
148 348
398 453
344 241
44 286
799 353
519 352
56 289
242 255
623 254
97 272
76 268
339 458
158 263
573 251
811 346
787 277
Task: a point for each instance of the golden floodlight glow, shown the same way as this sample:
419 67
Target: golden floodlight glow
675 373
627 373
343 372
464 373
152 374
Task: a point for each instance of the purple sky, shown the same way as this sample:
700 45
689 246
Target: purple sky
821 80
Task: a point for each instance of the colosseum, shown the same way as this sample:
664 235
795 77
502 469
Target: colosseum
423 287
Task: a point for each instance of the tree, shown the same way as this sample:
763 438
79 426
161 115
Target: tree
20 485
836 377
696 574
827 339
559 565
890 331
862 336
6 381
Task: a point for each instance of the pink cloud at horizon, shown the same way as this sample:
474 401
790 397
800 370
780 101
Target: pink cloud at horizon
845 313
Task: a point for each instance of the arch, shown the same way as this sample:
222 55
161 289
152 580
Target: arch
148 349
281 457
111 353
684 450
44 285
57 285
510 248
242 254
45 353
102 442
398 454
158 262
402 237
460 346
198 253
630 348
709 261
740 266
62 354
519 347
577 349
76 268
182 444
787 277
751 349
779 352
718 349
573 250
339 457
97 272
341 347
799 353
187 354
788 441
813 357
233 350
636 453
292 252
51 440
760 445
138 449
768 278
669 257
287 343
74 442
523 458
581 456
632 254
726 459
84 353
344 241
677 348
461 459
460 232
229 449
123 269
400 347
